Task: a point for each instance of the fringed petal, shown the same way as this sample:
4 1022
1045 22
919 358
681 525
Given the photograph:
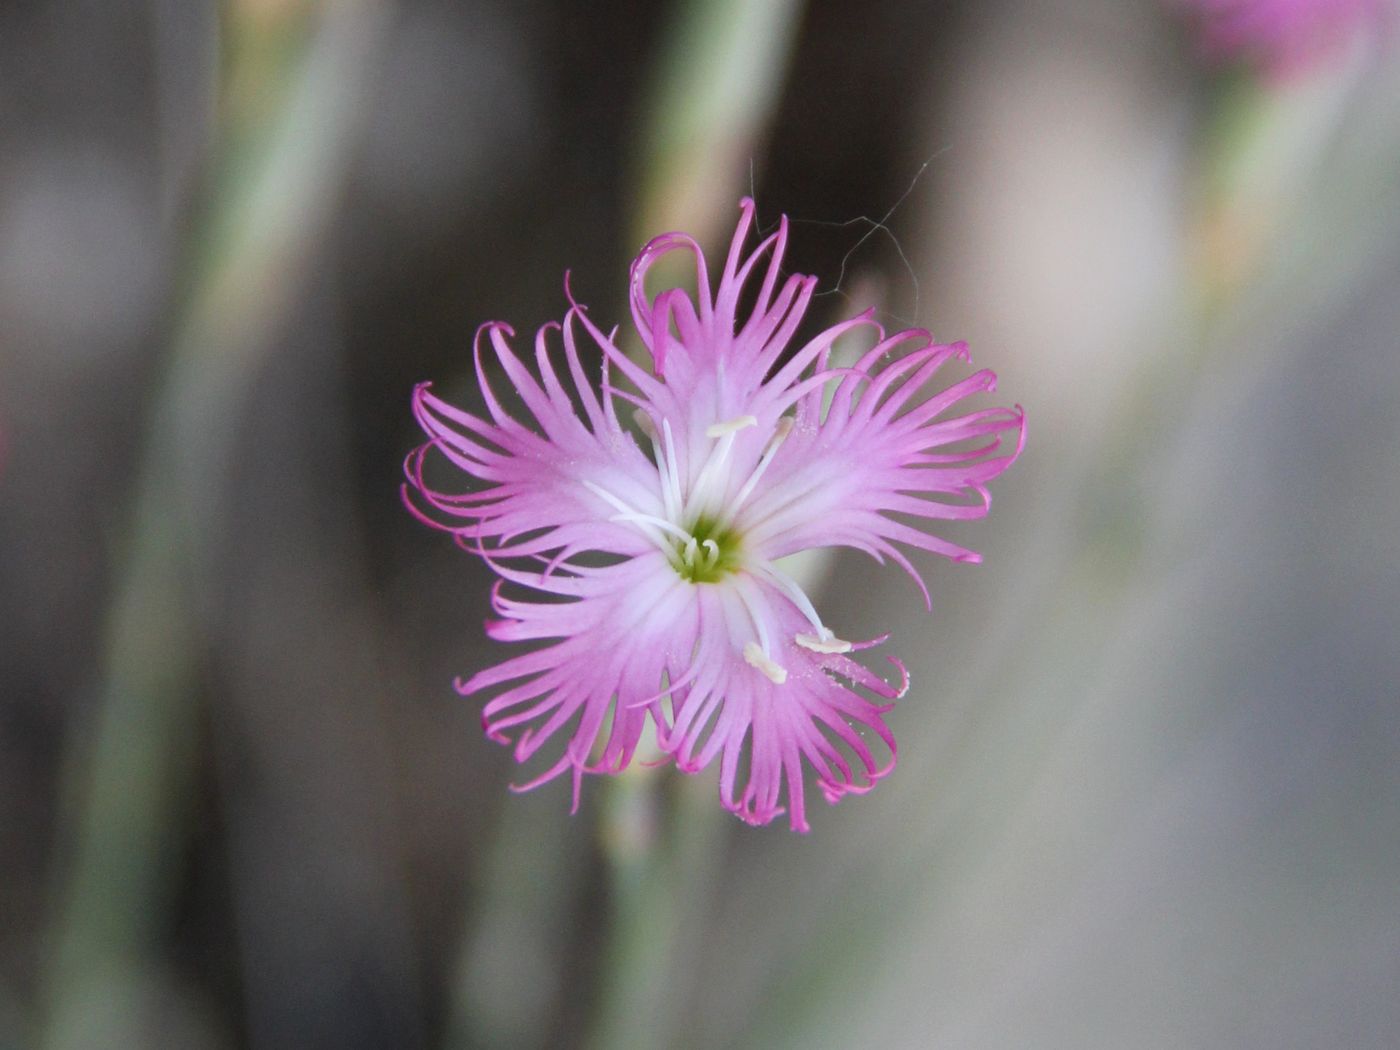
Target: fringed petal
764 731
630 629
885 447
537 485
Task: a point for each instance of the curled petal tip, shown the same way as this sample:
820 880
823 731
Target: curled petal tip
575 306
903 689
487 327
496 629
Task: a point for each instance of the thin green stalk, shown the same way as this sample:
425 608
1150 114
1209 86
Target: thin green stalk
128 782
716 85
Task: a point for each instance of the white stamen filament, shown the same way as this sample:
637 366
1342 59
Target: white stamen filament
760 626
660 523
731 426
780 433
756 657
671 481
756 653
627 513
719 455
799 598
607 496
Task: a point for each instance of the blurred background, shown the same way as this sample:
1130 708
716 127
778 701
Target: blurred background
1149 791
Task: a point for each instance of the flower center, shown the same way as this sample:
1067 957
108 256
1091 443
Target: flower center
710 553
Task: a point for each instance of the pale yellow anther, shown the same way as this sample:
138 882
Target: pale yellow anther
829 644
756 657
644 424
731 426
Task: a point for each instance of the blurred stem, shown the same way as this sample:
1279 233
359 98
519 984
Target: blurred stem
128 785
130 793
715 88
519 929
658 886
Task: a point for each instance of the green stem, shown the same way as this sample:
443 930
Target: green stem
128 783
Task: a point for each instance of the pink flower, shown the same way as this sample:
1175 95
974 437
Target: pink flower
650 567
1284 36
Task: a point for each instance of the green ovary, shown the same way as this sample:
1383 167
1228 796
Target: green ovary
712 555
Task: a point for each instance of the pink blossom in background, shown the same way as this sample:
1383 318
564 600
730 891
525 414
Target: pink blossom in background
648 564
1284 36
